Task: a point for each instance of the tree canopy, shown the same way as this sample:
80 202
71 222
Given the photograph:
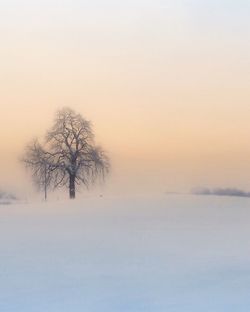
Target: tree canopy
69 156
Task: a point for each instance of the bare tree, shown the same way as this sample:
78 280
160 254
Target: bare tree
36 159
69 156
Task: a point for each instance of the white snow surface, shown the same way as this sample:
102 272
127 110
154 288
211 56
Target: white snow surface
153 254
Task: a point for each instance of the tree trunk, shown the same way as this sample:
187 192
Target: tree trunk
72 188
45 182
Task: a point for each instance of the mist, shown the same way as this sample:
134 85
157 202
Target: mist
163 84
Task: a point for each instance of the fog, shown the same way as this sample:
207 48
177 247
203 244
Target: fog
166 87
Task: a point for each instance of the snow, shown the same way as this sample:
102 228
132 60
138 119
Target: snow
155 254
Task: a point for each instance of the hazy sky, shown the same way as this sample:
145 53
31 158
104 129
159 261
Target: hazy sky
165 83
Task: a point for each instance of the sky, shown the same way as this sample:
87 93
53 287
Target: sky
165 84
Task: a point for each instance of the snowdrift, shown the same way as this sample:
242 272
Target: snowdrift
171 253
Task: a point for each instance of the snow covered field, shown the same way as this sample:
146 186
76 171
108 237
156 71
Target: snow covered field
166 254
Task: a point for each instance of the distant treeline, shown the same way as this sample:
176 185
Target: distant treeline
220 192
6 198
